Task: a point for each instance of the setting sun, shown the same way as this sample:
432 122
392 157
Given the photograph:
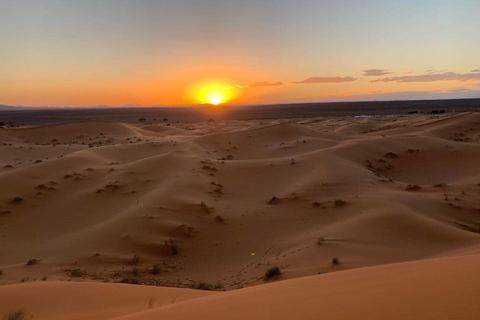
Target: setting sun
215 93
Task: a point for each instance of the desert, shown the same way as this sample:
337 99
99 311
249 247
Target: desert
155 220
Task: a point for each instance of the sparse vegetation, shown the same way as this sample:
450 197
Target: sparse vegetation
320 240
220 219
76 273
135 271
31 262
440 185
335 261
206 286
391 155
273 200
272 273
205 207
414 187
151 303
17 315
1 272
136 259
156 269
316 204
130 280
173 246
340 203
17 200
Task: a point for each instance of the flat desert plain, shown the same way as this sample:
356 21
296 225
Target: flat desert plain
365 217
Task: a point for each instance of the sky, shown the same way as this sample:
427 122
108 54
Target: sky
188 52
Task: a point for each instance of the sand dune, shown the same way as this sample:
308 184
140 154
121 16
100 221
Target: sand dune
445 288
222 202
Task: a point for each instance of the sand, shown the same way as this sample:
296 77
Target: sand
395 199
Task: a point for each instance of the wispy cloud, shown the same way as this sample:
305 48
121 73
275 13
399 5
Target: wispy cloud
375 72
447 76
235 86
266 84
326 80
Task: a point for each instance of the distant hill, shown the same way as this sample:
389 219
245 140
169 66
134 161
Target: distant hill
4 107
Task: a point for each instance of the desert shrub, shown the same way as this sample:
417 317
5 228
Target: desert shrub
316 204
272 273
206 286
135 271
320 240
391 155
17 200
414 187
76 273
205 207
156 269
220 219
130 280
1 272
31 262
340 203
135 259
173 246
335 261
272 200
17 315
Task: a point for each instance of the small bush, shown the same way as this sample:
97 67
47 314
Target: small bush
335 261
316 204
320 240
391 155
76 273
272 273
340 203
206 286
130 280
17 315
156 269
1 272
135 271
414 187
17 200
173 246
205 207
135 259
273 200
31 262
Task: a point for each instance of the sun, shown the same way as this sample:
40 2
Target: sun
215 100
212 93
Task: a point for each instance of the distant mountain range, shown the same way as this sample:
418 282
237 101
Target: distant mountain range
4 107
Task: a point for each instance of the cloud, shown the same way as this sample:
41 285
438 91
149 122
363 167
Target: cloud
235 86
475 70
447 76
327 80
375 72
266 84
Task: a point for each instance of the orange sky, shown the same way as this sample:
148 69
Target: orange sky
77 53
